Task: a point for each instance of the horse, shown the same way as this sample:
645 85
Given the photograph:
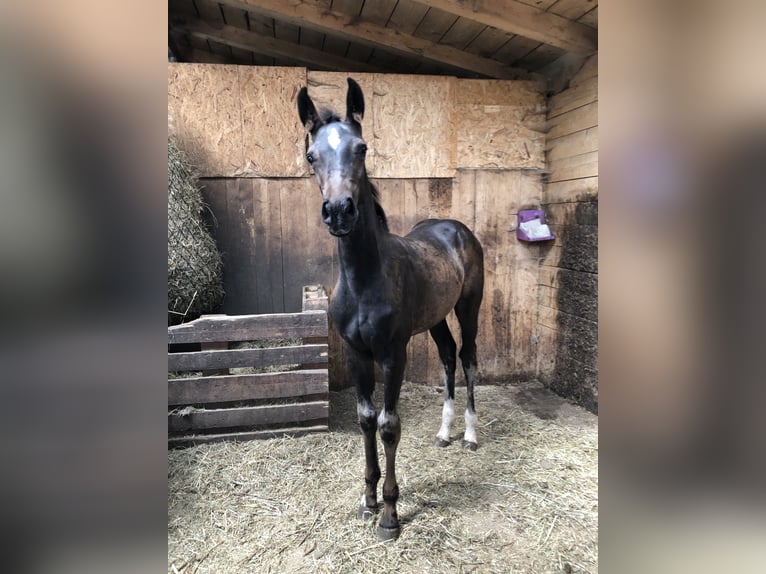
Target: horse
390 288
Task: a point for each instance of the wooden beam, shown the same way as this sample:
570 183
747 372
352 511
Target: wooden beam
517 18
356 29
239 38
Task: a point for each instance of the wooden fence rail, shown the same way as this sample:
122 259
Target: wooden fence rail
247 377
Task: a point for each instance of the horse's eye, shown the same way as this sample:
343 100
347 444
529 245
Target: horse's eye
362 149
310 157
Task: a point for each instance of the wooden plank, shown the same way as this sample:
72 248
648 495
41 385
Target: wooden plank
573 121
378 12
574 167
590 18
581 142
205 116
413 130
494 127
230 388
211 328
462 33
574 97
540 57
199 419
193 440
307 247
570 190
269 45
572 9
240 287
518 18
434 25
464 198
406 16
588 73
353 28
488 41
250 358
503 337
267 255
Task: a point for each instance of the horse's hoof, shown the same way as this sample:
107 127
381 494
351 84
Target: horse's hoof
366 512
388 533
441 443
468 445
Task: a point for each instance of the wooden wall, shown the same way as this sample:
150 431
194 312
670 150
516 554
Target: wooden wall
568 309
439 147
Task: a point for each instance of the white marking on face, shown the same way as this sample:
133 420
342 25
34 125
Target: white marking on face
471 421
334 138
448 415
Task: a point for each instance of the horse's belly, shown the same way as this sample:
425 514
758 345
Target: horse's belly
437 301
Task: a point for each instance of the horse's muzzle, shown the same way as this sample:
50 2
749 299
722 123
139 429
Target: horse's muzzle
340 216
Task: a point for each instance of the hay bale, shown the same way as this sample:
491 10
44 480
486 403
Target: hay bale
195 284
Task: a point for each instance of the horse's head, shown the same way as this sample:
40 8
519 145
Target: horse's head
337 154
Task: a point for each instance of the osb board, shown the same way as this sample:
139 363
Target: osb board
237 120
272 135
413 126
499 124
328 90
204 116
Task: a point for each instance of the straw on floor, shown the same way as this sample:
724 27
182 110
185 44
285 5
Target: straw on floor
526 501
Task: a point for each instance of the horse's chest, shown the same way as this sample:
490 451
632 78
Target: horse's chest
363 325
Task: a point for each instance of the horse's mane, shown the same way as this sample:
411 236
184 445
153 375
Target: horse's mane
327 116
378 207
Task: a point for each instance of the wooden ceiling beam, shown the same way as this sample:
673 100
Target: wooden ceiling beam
517 18
355 29
239 38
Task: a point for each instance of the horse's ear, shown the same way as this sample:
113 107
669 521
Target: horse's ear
308 112
354 102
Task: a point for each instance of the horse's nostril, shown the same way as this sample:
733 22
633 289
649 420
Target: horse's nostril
349 208
325 211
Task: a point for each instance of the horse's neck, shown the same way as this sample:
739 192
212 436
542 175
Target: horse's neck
359 251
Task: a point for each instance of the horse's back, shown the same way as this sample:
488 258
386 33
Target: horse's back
452 237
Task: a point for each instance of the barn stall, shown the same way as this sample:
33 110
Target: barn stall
468 136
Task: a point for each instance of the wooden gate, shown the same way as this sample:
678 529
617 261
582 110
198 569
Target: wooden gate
247 377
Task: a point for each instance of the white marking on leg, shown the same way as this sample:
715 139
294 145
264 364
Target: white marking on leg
448 415
363 502
334 138
365 410
471 421
387 420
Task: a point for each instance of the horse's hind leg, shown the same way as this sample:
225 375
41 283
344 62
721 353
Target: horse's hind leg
467 311
447 353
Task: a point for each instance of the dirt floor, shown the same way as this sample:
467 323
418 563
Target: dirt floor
526 501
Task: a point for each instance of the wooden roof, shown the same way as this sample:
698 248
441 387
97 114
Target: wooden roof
504 39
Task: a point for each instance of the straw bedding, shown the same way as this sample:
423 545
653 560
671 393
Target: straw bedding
525 502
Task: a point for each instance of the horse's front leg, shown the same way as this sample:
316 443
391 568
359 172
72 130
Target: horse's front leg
361 370
390 432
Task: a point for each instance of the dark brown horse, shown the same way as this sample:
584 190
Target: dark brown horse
390 288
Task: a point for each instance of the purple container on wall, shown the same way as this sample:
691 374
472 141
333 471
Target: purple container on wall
530 215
